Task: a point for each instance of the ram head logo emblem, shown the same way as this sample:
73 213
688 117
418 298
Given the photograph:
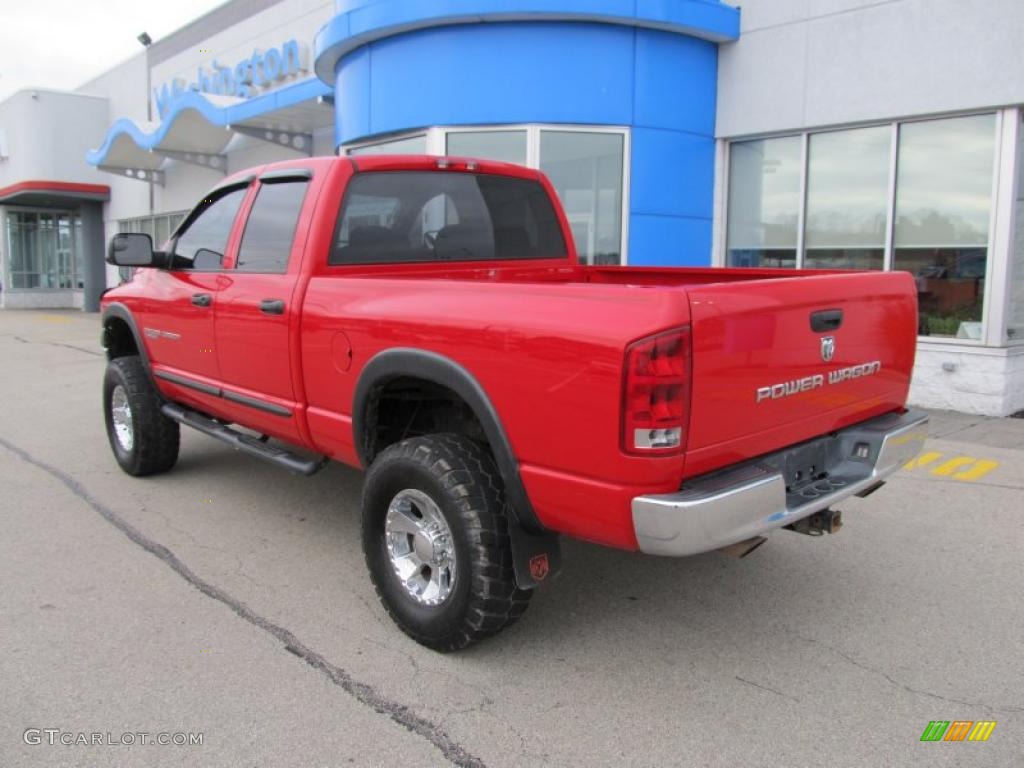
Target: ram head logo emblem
828 348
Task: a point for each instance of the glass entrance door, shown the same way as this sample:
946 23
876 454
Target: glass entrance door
44 249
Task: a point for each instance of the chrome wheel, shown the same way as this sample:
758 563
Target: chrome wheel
420 547
121 415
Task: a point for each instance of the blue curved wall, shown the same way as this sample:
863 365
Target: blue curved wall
392 74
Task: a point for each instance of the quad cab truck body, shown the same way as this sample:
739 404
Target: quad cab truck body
427 319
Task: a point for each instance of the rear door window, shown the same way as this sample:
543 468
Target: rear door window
415 216
270 228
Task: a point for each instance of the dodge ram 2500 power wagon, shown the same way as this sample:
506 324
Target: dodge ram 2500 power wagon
427 319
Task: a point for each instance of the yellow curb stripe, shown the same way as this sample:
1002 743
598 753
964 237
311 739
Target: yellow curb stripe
949 467
923 460
981 468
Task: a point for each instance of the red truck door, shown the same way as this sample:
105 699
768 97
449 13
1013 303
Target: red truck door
257 313
177 317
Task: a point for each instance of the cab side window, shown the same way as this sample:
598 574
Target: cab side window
267 241
201 244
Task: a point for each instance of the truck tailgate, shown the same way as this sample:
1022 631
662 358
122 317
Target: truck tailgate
776 362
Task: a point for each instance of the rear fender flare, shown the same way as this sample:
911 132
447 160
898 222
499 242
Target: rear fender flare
418 363
532 545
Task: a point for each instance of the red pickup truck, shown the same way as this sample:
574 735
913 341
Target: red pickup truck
427 319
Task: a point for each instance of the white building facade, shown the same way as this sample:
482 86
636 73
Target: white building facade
848 134
859 134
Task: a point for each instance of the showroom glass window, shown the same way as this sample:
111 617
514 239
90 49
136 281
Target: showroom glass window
1015 306
159 226
409 145
847 191
764 202
44 249
943 210
586 170
913 196
504 146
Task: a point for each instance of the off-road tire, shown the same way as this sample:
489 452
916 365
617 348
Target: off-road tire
460 477
156 438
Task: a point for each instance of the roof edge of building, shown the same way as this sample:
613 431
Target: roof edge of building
706 19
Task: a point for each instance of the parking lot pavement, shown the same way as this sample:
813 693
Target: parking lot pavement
229 599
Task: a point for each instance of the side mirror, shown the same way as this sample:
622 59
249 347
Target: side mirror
207 260
134 249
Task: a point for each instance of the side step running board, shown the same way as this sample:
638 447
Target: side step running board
242 442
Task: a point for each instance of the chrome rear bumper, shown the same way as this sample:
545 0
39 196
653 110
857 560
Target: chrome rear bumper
735 504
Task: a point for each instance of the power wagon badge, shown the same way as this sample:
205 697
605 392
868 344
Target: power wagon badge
807 383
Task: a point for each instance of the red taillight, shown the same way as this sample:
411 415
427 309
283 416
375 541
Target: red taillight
656 393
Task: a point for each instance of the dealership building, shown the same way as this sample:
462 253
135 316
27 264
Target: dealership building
849 134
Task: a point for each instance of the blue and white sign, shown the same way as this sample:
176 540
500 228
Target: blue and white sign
250 77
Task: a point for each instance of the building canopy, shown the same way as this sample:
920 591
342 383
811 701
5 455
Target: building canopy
197 128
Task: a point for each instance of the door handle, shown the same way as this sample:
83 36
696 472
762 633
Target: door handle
826 320
272 307
202 299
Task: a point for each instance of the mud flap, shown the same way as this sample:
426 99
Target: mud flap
537 558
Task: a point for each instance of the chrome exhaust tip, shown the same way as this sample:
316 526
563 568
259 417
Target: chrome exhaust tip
743 548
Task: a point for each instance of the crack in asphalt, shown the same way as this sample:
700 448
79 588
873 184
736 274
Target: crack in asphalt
957 429
77 349
765 688
185 533
54 344
362 692
909 689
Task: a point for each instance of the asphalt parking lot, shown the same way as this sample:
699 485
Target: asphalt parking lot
229 599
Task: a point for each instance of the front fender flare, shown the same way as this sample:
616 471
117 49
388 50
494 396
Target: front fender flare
121 312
